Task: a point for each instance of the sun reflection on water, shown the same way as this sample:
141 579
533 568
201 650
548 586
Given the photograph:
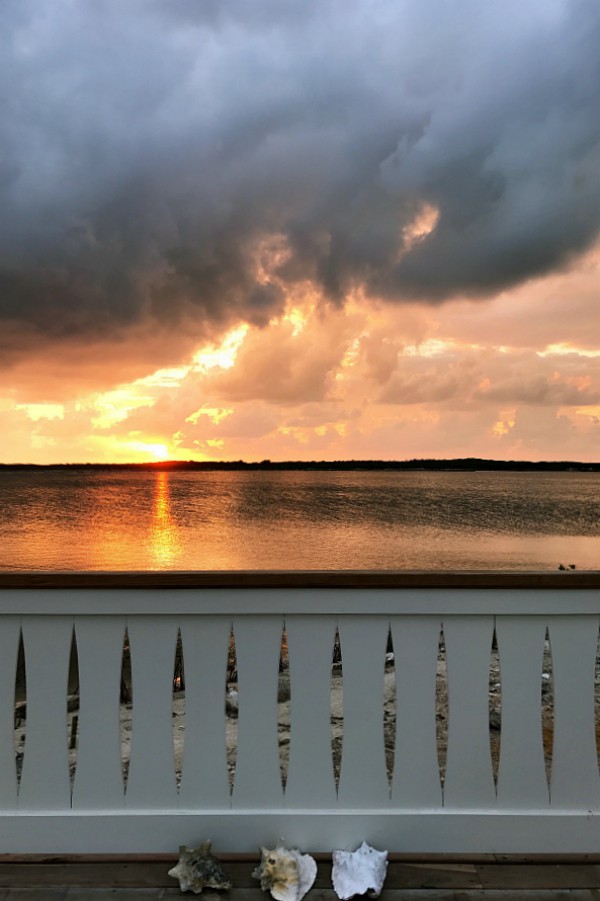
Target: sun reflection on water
164 537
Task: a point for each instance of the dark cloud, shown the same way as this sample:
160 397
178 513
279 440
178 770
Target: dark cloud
149 149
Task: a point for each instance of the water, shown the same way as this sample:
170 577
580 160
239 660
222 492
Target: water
111 520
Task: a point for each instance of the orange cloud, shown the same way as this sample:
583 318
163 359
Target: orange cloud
516 377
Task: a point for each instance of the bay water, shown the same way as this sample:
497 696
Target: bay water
72 519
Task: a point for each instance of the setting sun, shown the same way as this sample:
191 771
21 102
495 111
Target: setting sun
154 451
159 451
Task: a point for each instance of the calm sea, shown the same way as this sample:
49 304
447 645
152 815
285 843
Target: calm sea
76 520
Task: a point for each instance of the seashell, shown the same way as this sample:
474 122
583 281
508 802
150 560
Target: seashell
197 869
286 873
360 871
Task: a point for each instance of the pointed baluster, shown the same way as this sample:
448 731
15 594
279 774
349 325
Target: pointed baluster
151 780
257 773
521 774
310 780
469 779
574 780
45 781
416 770
363 777
99 776
9 648
205 642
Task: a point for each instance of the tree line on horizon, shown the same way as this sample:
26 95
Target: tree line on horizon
462 464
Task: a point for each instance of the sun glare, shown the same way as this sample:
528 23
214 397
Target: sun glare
149 450
159 451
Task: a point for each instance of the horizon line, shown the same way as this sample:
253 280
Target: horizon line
340 464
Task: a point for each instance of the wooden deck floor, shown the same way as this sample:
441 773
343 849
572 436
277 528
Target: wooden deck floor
451 879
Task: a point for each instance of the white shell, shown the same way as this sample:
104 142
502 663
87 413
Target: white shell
197 869
360 871
286 873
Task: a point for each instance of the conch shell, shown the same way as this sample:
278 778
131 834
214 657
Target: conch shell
286 873
197 869
357 872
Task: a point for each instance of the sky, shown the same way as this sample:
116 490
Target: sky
344 229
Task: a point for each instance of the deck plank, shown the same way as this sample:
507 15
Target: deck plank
431 876
132 894
433 880
539 876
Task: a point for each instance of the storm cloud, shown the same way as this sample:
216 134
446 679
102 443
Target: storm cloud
187 164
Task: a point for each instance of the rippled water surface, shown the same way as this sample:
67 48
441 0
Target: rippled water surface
111 520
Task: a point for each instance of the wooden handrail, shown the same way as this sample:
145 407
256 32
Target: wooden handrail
389 579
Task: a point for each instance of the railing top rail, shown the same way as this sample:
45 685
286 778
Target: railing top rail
302 579
299 593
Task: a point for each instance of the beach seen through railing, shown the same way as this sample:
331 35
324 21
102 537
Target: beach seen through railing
284 699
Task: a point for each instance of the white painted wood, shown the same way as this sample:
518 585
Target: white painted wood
241 831
574 780
98 780
469 781
363 778
521 774
470 821
310 781
205 642
151 781
10 630
257 773
416 779
45 781
243 602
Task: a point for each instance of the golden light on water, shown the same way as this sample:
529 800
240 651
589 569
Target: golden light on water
164 538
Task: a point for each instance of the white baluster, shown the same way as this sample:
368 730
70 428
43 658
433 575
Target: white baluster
469 779
257 773
9 648
310 781
363 778
416 770
151 780
521 773
205 642
99 776
45 781
574 780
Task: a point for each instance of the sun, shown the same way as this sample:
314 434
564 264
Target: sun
146 449
158 451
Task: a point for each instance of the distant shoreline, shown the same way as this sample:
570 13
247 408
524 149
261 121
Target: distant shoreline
466 464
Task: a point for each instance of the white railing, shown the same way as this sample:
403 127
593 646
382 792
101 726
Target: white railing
58 800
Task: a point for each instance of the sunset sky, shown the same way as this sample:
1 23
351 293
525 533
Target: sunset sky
299 230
